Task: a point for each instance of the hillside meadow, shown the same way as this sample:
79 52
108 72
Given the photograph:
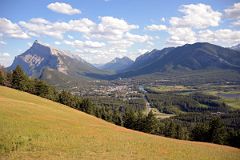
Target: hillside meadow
35 128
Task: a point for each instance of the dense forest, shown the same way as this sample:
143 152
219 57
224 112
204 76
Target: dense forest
194 102
215 124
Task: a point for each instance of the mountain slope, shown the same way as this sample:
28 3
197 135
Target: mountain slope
236 47
117 64
40 57
148 58
36 128
198 56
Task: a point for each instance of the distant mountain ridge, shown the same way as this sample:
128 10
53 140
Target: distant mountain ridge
197 56
39 58
117 64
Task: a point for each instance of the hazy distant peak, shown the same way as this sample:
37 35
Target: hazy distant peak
117 64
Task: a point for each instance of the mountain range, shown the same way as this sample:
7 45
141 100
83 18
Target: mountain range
197 56
49 63
42 61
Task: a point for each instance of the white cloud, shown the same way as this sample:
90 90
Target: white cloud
163 19
6 54
70 37
2 43
137 38
233 11
155 27
110 28
223 37
5 59
57 43
82 25
236 23
85 44
106 39
181 36
198 16
12 30
142 51
123 43
39 21
29 44
63 8
35 28
40 26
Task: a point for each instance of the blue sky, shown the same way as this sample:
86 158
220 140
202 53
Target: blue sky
100 30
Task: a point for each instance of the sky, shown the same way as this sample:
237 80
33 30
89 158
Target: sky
100 30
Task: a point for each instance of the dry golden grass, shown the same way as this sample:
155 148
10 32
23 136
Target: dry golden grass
36 128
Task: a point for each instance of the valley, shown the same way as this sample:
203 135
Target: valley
119 79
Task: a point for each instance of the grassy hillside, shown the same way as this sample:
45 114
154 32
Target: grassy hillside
36 128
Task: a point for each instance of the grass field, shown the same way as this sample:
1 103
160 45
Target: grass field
36 128
165 88
231 98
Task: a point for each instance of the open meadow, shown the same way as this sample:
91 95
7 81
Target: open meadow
36 128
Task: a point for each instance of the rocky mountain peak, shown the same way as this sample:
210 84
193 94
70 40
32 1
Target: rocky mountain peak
40 56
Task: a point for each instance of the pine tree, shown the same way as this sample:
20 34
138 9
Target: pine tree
170 130
2 76
200 132
8 80
87 106
41 89
217 132
130 119
150 123
19 79
65 98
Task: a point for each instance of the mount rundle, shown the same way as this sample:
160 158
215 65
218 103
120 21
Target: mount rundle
39 58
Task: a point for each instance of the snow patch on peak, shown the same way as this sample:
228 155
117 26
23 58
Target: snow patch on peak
33 60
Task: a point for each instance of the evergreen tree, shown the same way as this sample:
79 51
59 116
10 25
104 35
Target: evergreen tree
217 132
170 130
8 80
19 79
30 85
200 132
140 121
87 106
41 89
150 123
65 98
182 132
2 76
130 119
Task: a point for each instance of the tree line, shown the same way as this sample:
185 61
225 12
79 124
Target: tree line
188 127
